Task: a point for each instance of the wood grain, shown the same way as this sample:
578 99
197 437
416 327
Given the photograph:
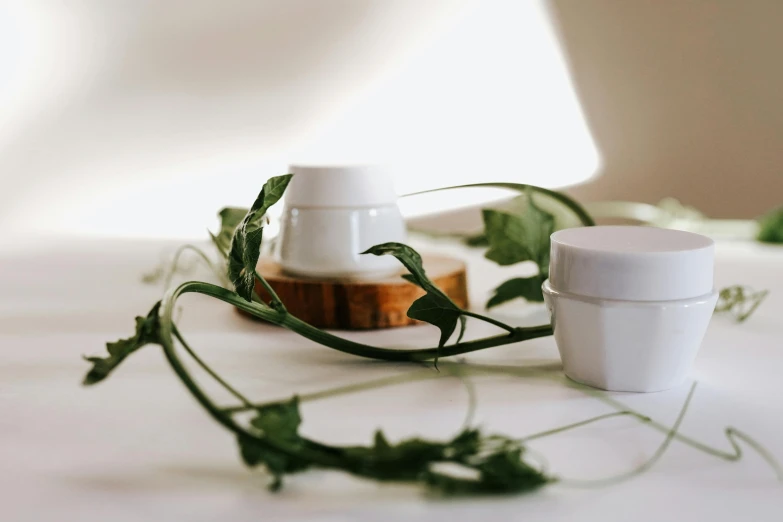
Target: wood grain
361 304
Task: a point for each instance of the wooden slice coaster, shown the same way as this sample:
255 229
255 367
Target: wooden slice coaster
361 304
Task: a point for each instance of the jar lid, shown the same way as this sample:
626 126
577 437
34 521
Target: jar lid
340 186
631 263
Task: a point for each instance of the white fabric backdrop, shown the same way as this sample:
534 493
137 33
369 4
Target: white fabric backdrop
141 118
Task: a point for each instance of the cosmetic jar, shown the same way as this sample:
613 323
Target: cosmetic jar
629 305
334 213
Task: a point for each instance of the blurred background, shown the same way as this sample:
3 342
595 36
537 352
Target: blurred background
140 118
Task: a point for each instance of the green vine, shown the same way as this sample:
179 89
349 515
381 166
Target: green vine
486 463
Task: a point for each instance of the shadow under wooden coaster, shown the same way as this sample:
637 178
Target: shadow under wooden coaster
350 304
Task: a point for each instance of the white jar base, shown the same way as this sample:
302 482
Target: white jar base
328 242
631 346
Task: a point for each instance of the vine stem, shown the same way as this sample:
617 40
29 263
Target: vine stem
276 303
649 463
347 346
572 205
328 457
733 435
591 420
357 387
204 366
657 216
489 320
175 263
167 327
342 390
318 454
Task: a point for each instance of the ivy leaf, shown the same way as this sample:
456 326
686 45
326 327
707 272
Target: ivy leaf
434 307
409 258
405 461
410 459
246 243
528 288
498 471
281 419
230 218
771 227
147 332
514 238
523 235
740 301
496 462
278 422
443 313
503 471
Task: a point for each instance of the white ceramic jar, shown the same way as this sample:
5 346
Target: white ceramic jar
629 305
332 214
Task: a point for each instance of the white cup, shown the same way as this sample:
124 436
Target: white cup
332 214
629 305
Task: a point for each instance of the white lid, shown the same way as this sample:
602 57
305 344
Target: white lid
631 263
340 186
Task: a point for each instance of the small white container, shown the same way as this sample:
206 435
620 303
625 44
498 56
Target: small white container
629 305
334 213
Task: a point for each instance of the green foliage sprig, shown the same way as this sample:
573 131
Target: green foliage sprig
519 232
740 301
487 463
230 218
515 238
434 307
146 333
771 227
246 243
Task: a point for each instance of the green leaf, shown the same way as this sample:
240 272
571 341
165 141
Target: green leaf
246 243
771 227
281 419
434 307
409 459
435 310
278 423
409 258
503 471
740 301
497 462
514 238
528 288
405 461
277 463
230 218
147 332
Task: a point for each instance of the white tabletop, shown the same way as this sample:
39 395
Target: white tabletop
138 448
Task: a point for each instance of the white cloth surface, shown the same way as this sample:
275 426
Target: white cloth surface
138 448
